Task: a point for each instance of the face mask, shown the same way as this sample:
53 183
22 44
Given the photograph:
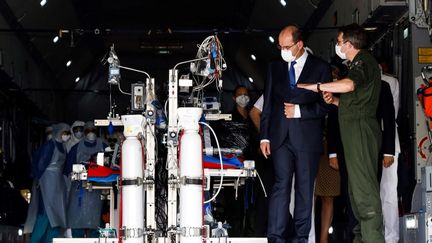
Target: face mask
91 136
49 137
287 56
65 138
242 100
339 52
78 134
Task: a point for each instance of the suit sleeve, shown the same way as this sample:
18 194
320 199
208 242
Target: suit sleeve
315 110
266 111
319 108
386 116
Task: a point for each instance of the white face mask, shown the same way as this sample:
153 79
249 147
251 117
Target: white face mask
78 134
65 138
339 52
49 136
91 136
287 56
242 100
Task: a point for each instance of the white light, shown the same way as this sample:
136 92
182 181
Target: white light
77 79
68 63
164 52
405 33
253 57
330 230
20 232
250 79
282 2
271 39
411 222
55 39
371 28
43 2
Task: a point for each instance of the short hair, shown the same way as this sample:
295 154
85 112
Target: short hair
354 34
297 34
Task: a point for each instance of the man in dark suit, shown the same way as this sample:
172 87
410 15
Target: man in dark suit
386 116
387 172
291 130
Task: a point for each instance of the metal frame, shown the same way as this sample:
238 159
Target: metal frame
172 140
149 172
159 240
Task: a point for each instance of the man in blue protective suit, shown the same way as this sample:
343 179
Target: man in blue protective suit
85 207
47 211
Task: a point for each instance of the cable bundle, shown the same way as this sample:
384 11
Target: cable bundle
211 67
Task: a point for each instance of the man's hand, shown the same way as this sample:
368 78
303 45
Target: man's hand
289 110
387 161
328 97
333 163
265 149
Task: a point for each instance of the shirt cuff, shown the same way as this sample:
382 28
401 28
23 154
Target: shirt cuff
297 113
389 155
265 141
333 155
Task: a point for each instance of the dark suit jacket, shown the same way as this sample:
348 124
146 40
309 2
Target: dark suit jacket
304 133
386 117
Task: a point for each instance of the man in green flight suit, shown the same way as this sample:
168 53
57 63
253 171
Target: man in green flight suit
359 128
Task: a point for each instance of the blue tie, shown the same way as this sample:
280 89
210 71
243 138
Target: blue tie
291 74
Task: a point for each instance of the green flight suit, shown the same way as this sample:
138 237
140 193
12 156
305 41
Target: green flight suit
361 139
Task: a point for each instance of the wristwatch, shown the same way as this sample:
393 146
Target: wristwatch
318 87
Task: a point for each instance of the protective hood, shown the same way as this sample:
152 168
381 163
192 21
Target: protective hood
89 125
74 140
58 129
90 137
76 124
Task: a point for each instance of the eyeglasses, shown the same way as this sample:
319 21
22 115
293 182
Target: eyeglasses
286 48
